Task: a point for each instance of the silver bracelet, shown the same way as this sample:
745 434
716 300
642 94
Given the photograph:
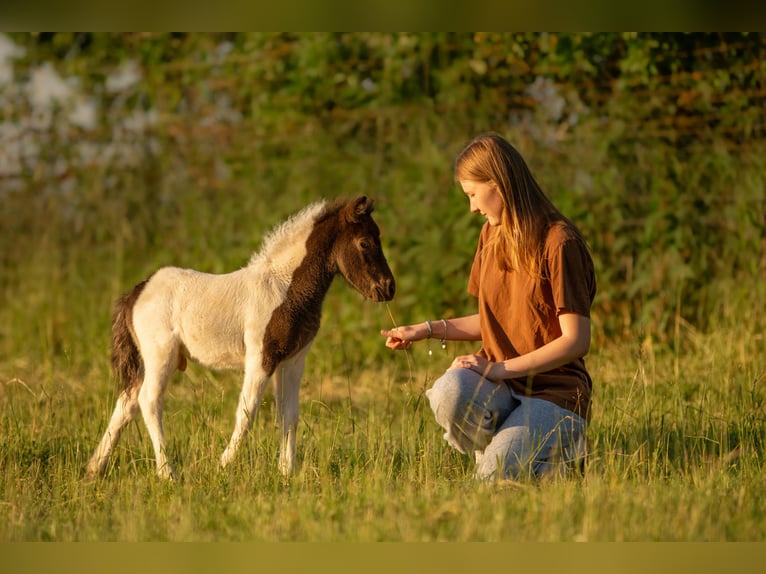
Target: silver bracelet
444 338
431 334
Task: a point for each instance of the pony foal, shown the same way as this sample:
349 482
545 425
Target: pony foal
261 318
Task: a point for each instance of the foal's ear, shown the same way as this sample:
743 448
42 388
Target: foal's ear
359 206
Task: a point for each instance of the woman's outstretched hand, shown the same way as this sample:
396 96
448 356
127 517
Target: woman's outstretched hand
401 338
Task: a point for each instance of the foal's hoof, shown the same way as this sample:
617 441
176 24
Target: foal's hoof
168 473
93 471
226 458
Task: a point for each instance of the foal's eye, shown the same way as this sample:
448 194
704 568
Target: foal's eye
364 244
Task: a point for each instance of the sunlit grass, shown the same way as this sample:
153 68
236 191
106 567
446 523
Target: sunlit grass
675 454
676 439
677 434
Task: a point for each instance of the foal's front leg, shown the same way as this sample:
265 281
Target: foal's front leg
247 407
286 389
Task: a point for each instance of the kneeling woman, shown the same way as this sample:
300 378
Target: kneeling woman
521 404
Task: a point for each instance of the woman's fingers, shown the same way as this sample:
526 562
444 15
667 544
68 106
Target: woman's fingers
466 362
395 340
398 344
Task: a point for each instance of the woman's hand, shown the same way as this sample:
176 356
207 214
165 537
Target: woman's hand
401 338
572 344
478 364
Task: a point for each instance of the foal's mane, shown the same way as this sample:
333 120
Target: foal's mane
295 228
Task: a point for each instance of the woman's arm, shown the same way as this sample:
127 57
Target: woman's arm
573 343
457 329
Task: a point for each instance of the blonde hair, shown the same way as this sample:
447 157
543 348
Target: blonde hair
518 241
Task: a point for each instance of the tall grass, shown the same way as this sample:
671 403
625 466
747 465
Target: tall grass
676 453
677 436
676 439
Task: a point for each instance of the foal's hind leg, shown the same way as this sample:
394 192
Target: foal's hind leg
125 411
247 407
286 389
159 364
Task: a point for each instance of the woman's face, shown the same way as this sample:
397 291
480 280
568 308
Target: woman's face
484 198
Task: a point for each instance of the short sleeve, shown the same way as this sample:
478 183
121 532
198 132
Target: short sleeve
572 277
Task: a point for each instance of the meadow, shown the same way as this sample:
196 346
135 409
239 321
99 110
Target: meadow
676 441
676 226
675 455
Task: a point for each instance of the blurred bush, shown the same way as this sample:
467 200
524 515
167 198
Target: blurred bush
123 152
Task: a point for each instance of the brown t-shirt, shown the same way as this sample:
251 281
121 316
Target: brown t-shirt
519 313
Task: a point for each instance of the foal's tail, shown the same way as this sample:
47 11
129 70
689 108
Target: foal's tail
126 358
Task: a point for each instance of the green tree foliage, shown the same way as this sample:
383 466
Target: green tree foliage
188 147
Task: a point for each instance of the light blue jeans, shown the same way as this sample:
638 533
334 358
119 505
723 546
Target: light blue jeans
512 436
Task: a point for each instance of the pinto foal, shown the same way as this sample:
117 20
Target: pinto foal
261 318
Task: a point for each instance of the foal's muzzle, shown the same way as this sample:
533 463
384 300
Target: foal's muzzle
384 290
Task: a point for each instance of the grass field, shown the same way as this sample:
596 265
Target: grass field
675 222
676 455
676 440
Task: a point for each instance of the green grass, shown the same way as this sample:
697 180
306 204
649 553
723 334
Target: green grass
678 430
676 454
677 436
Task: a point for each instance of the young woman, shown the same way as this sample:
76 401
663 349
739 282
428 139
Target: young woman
521 403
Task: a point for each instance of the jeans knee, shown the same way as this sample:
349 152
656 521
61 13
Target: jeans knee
468 407
445 396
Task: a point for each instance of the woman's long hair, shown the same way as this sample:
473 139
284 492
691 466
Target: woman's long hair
518 241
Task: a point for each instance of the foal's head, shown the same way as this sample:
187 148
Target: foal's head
358 253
